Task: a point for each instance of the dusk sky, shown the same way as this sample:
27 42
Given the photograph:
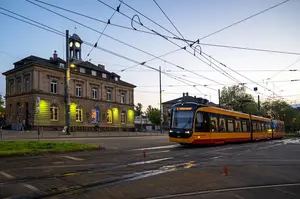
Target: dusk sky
277 29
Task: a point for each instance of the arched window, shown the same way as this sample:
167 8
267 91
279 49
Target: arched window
54 112
109 116
123 117
79 114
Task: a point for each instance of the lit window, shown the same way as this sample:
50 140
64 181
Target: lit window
95 93
123 117
53 113
94 73
27 84
53 86
79 113
104 75
123 98
78 91
109 116
109 95
95 115
82 70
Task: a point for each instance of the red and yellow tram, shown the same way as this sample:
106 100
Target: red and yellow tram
193 123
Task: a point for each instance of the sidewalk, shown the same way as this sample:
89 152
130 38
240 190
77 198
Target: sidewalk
10 134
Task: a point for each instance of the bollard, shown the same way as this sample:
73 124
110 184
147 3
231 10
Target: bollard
1 132
144 152
225 171
38 131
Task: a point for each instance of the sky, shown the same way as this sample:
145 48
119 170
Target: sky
277 29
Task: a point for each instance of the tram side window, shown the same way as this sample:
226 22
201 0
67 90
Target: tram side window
269 127
222 125
230 125
254 127
213 123
238 126
201 122
245 126
259 127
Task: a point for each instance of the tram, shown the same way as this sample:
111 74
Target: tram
195 123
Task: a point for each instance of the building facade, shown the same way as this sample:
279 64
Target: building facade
35 94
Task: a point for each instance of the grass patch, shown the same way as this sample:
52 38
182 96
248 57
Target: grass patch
20 148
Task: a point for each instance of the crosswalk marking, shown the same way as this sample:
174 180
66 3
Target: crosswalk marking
73 158
7 175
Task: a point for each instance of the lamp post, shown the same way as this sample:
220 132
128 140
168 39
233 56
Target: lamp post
67 89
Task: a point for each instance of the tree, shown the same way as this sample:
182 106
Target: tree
236 98
2 109
1 101
154 115
138 109
280 109
149 109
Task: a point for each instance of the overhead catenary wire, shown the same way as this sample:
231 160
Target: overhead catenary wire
129 45
284 69
108 22
212 34
97 47
138 22
169 37
245 19
234 79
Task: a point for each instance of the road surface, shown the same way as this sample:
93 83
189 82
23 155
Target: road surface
154 168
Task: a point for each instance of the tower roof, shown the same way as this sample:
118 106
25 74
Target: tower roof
76 38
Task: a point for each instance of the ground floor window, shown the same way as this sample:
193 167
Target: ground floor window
123 117
54 112
95 115
109 116
79 114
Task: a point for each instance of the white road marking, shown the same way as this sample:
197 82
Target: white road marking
225 190
54 166
33 188
156 147
288 192
73 158
237 196
7 175
154 152
149 161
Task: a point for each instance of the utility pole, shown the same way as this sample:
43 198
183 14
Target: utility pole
219 97
160 105
258 104
67 90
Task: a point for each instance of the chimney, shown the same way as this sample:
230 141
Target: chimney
195 97
183 94
101 66
54 55
187 94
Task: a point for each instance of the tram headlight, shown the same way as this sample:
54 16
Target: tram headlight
187 132
171 131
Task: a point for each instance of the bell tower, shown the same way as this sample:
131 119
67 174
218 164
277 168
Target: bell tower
75 47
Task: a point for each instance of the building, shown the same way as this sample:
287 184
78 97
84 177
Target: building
166 106
35 94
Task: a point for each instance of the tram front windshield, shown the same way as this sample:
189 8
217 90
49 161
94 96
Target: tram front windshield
182 119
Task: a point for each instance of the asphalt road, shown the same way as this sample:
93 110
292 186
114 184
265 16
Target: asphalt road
265 169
